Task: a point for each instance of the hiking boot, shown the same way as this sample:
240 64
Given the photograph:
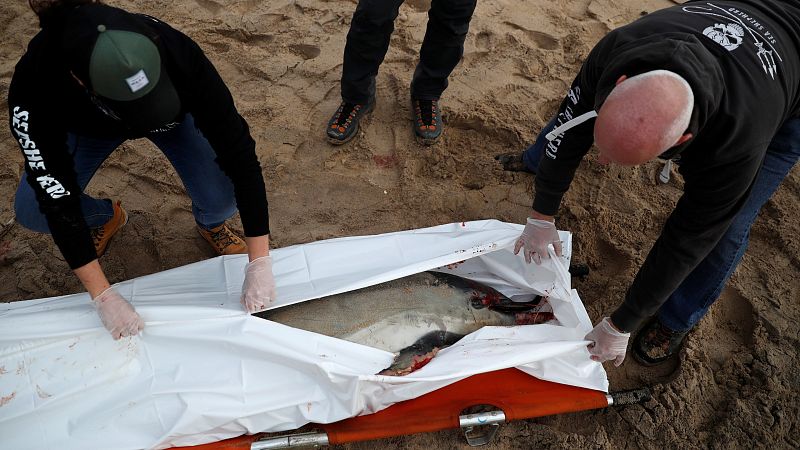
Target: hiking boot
655 343
223 240
101 236
343 125
428 124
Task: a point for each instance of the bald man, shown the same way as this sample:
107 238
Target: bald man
711 85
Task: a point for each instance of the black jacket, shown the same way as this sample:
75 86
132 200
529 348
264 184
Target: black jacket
741 60
45 103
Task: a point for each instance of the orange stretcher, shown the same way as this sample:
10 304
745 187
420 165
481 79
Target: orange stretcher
512 393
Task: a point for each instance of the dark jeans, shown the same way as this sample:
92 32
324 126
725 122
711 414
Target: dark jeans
691 300
532 155
368 41
186 148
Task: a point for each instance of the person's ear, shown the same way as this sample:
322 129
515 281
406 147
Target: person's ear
683 139
621 79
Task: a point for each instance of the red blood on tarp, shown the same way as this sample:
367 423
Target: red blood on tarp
533 317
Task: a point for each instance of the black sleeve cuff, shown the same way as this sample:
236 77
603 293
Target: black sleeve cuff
77 252
546 203
626 319
71 235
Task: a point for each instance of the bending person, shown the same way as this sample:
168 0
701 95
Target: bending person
95 76
701 85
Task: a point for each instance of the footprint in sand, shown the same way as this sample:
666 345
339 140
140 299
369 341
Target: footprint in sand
483 40
210 6
220 47
542 40
244 36
730 325
306 51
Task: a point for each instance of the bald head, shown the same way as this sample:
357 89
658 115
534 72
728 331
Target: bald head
643 117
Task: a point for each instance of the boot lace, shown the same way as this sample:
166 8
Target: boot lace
426 112
661 337
97 235
346 113
222 237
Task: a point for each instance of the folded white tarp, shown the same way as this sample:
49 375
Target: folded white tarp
203 370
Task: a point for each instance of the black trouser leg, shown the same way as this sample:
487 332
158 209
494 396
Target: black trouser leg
367 43
448 24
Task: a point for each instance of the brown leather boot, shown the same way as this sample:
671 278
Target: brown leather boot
223 240
101 236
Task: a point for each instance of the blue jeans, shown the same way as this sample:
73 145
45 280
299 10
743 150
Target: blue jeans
533 154
691 300
189 152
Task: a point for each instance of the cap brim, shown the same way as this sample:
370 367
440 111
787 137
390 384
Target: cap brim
159 107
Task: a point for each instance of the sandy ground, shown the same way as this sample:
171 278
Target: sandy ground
738 380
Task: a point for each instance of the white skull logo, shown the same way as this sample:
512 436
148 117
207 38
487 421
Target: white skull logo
727 35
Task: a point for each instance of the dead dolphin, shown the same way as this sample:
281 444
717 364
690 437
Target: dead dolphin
413 317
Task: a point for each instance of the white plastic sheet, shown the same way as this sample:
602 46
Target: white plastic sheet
203 370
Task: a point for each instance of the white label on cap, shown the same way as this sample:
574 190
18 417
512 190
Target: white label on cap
137 81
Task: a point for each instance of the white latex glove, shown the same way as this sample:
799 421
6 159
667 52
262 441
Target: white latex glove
608 342
258 290
117 315
536 236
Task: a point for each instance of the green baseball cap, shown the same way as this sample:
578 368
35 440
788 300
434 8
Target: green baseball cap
128 77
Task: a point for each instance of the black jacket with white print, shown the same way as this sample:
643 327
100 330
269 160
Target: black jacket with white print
46 103
741 60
